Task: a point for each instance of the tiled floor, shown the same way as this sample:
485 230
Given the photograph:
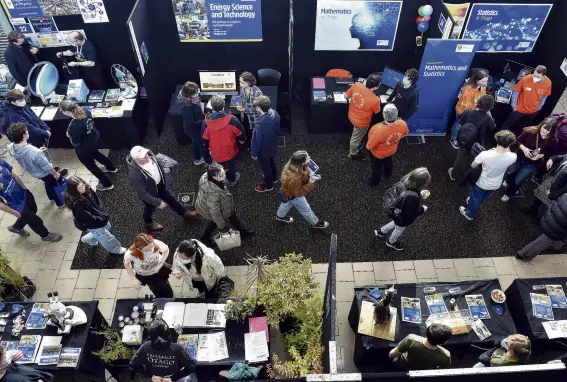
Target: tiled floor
49 265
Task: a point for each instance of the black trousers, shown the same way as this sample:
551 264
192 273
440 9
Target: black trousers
158 283
232 219
377 165
88 158
269 169
28 216
169 199
50 182
516 121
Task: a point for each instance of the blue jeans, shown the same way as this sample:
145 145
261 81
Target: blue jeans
230 167
518 173
456 127
199 150
476 198
103 237
303 208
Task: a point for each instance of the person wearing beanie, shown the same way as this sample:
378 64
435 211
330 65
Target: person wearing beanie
383 139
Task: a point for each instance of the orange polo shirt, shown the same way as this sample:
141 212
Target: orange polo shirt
468 97
363 103
531 93
383 139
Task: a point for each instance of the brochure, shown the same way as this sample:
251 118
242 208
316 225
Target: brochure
49 355
259 324
555 329
49 113
481 330
37 110
173 314
436 305
215 316
55 99
212 347
10 345
189 342
477 306
112 95
339 97
38 316
318 83
69 357
28 346
48 341
235 101
541 305
256 347
557 296
319 95
96 96
411 310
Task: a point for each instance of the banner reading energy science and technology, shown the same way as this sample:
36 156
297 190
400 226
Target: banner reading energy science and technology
443 70
356 25
218 20
506 27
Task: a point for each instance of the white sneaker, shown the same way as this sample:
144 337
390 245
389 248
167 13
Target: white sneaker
199 162
450 171
122 251
504 184
463 212
505 198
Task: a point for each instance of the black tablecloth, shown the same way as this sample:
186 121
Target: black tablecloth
499 326
518 295
80 337
234 331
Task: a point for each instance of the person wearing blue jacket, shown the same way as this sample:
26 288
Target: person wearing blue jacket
265 142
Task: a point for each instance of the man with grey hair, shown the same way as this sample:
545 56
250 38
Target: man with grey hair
383 139
85 60
528 98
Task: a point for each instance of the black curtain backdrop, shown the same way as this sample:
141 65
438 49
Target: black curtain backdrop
172 62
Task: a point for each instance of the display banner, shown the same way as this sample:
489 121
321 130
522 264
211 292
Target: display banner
22 8
218 20
459 14
43 24
506 27
444 67
21 25
356 24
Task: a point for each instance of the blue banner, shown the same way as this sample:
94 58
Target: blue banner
43 24
442 73
506 27
441 23
22 8
219 20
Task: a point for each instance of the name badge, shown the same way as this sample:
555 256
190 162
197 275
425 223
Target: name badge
528 89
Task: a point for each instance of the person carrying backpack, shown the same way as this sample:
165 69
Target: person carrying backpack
402 203
474 125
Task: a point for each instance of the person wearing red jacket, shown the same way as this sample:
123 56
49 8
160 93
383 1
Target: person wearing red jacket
222 131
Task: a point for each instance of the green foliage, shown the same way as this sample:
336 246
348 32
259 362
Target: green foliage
239 309
310 328
9 277
113 349
300 364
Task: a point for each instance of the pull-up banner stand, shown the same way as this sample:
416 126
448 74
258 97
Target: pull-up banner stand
442 73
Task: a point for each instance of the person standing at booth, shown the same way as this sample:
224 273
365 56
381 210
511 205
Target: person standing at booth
193 118
528 98
20 57
264 142
363 103
86 61
248 94
405 95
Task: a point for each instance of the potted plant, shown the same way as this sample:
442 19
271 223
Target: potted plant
13 286
239 309
114 349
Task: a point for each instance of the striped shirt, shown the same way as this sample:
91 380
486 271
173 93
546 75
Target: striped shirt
248 104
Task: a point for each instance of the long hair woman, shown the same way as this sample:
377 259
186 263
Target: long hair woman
89 215
468 97
145 264
408 207
85 138
537 144
248 94
297 182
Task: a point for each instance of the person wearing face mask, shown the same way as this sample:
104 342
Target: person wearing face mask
248 94
405 95
528 98
20 57
264 144
215 203
85 137
537 145
468 98
145 263
193 118
85 60
89 215
199 267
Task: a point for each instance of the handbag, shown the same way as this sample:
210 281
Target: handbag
476 149
224 287
227 240
60 189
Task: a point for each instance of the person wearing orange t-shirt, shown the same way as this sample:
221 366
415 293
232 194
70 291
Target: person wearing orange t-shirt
383 139
528 98
362 104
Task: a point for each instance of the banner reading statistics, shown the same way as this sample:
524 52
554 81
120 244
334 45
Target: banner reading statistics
443 70
218 20
506 27
356 25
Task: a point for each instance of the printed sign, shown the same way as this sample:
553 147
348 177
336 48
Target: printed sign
43 24
21 25
22 8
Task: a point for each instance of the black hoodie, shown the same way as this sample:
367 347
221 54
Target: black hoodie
90 212
406 100
172 361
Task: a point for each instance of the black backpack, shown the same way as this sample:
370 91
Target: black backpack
466 137
394 198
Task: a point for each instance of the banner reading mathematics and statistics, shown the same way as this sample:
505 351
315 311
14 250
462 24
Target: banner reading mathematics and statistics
506 27
443 70
218 20
356 24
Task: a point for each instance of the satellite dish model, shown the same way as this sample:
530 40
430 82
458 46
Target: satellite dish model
43 78
125 81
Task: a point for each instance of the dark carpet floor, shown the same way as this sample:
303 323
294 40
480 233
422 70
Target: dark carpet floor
353 209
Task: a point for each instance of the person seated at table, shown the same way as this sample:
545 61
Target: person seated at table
10 372
405 95
162 360
199 266
362 104
418 353
513 350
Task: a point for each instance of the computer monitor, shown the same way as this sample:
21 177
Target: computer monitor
390 77
515 71
218 82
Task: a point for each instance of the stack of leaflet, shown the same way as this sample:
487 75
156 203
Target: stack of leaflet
557 296
541 306
29 346
96 96
189 342
212 347
256 342
112 95
555 329
173 314
49 350
477 306
38 316
69 357
204 316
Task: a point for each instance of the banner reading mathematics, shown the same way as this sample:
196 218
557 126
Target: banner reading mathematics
443 70
218 20
356 25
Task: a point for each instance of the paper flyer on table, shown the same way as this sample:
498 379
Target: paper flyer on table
49 113
256 347
37 110
47 341
128 104
555 329
557 296
217 346
411 310
29 346
481 330
173 313
477 306
436 305
541 306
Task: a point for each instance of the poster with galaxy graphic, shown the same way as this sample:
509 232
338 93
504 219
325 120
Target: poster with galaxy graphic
356 25
506 27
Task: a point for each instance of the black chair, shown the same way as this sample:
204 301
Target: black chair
269 77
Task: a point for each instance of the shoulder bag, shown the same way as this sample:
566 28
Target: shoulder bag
228 240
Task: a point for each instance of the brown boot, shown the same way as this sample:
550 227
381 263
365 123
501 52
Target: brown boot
153 226
190 216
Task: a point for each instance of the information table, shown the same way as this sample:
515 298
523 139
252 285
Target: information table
80 337
370 350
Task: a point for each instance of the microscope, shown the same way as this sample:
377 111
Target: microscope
64 317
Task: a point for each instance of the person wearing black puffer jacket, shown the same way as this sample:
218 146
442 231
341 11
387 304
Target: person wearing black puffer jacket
193 118
554 227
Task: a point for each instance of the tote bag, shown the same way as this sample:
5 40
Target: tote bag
227 240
